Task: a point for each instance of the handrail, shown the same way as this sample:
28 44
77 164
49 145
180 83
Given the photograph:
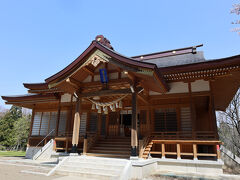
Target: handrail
44 138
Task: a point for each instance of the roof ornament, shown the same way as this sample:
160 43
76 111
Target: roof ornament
104 41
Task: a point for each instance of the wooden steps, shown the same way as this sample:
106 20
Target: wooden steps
147 150
116 147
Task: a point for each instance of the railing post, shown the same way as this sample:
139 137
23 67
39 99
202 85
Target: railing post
140 148
85 145
195 152
54 145
218 152
178 151
163 151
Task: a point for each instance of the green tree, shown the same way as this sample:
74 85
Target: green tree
7 126
21 131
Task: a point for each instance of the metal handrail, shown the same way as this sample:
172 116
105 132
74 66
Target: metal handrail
44 138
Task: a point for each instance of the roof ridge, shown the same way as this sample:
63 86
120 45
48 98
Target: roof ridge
192 48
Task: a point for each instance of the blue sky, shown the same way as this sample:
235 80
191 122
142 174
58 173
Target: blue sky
38 38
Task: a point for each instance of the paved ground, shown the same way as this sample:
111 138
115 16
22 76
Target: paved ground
13 172
17 168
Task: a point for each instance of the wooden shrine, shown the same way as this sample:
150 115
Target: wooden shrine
106 104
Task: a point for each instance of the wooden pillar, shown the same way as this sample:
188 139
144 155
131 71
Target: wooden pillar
134 138
76 126
193 117
66 147
212 111
32 119
140 148
99 124
58 117
107 125
148 120
85 145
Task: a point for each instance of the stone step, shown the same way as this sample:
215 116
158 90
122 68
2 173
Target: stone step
113 142
110 151
93 169
114 145
116 137
91 175
111 148
88 164
96 160
124 156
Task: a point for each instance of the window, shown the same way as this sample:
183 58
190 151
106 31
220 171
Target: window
36 123
165 119
186 123
45 122
62 123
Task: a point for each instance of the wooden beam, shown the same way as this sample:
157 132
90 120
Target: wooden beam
109 92
111 82
89 71
143 98
74 82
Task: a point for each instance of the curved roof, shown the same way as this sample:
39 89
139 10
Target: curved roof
118 57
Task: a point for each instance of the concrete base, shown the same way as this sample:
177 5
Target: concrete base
134 157
73 154
190 166
142 168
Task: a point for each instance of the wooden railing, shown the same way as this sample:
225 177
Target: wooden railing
179 139
179 143
185 135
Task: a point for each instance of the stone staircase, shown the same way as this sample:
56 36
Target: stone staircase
116 147
86 167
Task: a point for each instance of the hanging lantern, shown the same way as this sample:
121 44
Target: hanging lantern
120 104
97 107
99 110
93 106
116 104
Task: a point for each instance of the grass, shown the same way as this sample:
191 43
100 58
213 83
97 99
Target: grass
12 153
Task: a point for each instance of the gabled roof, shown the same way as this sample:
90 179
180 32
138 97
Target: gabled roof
173 52
126 61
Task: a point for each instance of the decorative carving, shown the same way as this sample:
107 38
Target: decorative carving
96 58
